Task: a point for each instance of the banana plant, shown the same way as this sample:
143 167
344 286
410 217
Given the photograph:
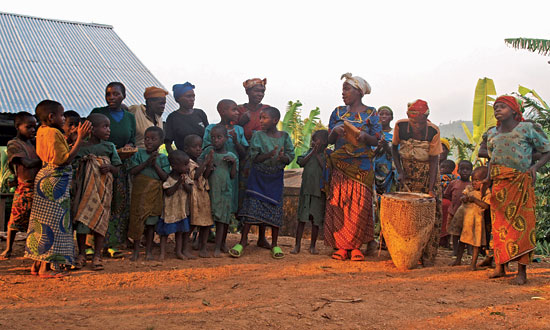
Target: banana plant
542 46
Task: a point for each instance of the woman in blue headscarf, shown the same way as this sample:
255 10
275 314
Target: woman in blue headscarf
186 120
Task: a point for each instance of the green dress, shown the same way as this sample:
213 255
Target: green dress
123 132
221 186
312 199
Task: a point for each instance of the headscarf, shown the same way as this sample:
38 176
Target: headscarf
357 82
152 92
417 108
513 103
385 107
446 143
248 84
180 89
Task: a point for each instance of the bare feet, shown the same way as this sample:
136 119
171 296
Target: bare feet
217 253
5 255
457 262
371 248
487 262
224 249
149 256
161 257
499 272
473 266
203 253
313 250
196 244
189 255
135 256
520 279
263 243
296 250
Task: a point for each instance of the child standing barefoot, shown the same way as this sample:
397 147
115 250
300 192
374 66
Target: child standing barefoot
50 235
511 145
270 151
150 170
220 177
454 194
177 188
311 206
201 213
97 162
474 203
24 163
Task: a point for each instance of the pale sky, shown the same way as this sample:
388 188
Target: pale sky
433 50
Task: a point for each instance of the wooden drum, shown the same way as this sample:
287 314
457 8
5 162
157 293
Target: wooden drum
407 221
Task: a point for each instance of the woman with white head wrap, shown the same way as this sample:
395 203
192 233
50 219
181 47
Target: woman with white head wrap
353 129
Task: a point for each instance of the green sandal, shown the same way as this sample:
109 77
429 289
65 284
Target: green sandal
115 253
277 253
89 253
236 251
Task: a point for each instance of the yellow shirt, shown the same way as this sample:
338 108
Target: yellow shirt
142 123
51 146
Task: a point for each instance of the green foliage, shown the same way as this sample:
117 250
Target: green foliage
300 131
542 46
462 148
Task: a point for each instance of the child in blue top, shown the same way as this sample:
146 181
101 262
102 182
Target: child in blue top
150 169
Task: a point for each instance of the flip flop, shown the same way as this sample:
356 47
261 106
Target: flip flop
97 264
341 254
236 251
89 253
79 263
356 255
115 253
277 253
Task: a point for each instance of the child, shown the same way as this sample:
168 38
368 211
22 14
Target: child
50 235
175 217
72 119
201 213
96 163
236 142
454 194
24 163
446 169
270 151
471 213
511 146
220 177
311 206
150 169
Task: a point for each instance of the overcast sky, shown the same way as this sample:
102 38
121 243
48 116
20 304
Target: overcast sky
434 50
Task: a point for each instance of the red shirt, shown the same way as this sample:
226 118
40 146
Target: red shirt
254 122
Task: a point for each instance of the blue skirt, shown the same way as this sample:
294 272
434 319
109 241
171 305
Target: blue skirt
165 229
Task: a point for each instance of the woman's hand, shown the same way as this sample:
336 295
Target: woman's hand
533 173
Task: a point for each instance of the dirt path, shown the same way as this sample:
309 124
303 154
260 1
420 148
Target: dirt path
255 291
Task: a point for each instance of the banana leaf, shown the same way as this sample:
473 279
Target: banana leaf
542 46
523 91
483 116
309 126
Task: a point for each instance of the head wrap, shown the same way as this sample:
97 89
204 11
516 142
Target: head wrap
385 107
151 92
254 82
357 82
513 103
446 143
417 108
179 89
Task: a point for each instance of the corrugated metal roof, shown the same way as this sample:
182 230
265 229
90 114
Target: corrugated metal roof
69 62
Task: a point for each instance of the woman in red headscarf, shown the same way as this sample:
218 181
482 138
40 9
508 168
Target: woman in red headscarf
416 147
510 146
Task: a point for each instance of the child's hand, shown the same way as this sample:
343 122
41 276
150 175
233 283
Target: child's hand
210 157
233 136
339 130
229 159
273 152
282 157
465 199
84 129
104 168
153 158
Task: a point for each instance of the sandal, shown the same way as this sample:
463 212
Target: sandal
356 255
115 253
97 264
341 254
80 262
236 251
277 253
52 274
89 253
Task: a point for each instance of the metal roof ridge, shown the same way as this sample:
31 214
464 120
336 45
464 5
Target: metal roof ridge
99 25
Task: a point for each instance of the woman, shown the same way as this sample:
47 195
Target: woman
249 119
510 147
384 171
186 120
416 149
123 134
348 217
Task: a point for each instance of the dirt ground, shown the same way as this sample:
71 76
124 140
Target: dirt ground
299 292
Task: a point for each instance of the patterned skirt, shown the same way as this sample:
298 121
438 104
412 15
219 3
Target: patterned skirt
50 234
349 218
21 207
117 231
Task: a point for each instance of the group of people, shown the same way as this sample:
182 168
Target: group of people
106 181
